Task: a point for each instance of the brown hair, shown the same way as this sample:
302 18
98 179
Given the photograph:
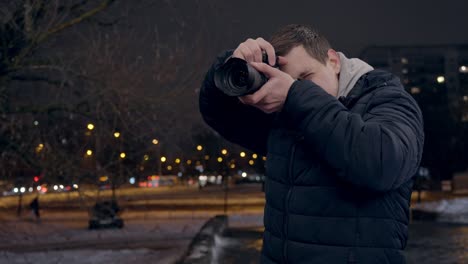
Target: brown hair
291 36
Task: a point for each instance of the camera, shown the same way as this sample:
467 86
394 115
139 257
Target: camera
236 77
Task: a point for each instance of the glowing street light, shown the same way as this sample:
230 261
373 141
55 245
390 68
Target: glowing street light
224 151
155 141
440 79
254 156
163 159
123 155
463 69
39 148
146 157
242 154
199 147
251 162
177 160
220 159
90 126
89 152
116 134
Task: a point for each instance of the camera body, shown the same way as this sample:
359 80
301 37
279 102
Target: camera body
236 77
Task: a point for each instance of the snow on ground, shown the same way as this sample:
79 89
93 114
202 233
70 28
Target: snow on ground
452 210
245 220
64 238
151 237
92 256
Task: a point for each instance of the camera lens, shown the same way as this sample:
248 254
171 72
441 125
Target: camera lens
240 78
236 78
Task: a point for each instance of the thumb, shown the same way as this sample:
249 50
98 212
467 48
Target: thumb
265 68
282 61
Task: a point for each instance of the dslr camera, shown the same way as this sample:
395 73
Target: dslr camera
236 77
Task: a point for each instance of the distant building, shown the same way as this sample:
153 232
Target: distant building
427 71
437 77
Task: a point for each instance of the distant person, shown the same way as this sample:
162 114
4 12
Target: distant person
342 140
34 205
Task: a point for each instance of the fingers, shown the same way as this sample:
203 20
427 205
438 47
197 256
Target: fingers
266 107
255 48
251 51
266 69
268 48
256 97
244 52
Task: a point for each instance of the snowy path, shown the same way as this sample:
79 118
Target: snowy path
68 241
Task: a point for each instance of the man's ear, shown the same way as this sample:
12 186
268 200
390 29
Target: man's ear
334 60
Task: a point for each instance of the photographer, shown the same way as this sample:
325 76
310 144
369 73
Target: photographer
342 140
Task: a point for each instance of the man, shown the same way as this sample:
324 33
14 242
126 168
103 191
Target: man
342 142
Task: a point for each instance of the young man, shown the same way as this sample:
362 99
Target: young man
342 142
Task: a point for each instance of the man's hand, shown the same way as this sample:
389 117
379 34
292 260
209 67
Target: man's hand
272 95
251 51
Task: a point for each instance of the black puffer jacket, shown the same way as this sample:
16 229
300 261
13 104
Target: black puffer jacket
339 172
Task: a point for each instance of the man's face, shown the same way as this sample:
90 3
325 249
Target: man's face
300 65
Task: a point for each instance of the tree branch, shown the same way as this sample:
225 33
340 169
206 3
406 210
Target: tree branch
59 28
77 20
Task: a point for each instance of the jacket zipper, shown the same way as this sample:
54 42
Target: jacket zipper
288 196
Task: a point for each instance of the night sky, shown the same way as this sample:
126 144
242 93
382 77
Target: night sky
175 42
354 25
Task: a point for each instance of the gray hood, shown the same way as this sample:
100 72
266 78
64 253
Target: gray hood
350 72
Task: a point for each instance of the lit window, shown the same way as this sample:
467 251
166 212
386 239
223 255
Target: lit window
415 90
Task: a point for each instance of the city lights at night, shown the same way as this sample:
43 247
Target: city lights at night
139 131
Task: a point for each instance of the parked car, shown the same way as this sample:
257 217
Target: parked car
105 214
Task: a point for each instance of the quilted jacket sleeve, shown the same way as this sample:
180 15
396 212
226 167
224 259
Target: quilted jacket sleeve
379 150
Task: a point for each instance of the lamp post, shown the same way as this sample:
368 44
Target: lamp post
202 158
158 149
224 152
121 157
162 160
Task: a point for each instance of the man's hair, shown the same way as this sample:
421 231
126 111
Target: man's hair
291 36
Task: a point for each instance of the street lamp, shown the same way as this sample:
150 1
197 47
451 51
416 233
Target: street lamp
242 154
90 126
89 152
440 79
156 142
116 134
122 155
199 147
